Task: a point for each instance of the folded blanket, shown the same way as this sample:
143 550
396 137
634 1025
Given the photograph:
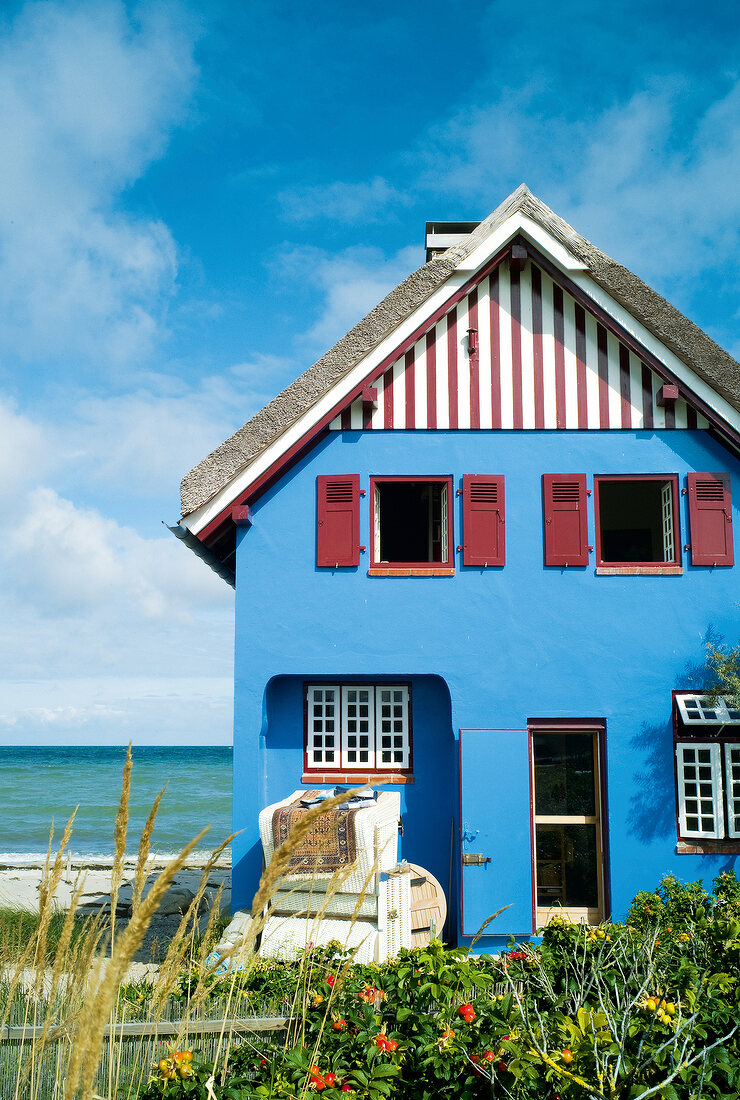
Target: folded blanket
329 846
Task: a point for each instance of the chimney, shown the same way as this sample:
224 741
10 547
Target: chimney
442 235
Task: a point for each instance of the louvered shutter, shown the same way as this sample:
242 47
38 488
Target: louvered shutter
710 517
483 520
565 519
338 521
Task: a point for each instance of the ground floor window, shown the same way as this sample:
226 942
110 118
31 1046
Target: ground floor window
358 727
568 843
707 753
708 788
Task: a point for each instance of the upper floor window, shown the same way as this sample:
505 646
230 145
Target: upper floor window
637 521
411 520
358 727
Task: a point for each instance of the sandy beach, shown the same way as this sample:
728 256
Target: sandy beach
19 889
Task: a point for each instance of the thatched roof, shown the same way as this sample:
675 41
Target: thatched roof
681 336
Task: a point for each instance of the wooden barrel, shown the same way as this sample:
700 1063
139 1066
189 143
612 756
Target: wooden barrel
428 906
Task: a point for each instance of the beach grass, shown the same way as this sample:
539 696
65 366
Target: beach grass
64 980
19 927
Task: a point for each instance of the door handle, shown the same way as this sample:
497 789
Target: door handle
473 860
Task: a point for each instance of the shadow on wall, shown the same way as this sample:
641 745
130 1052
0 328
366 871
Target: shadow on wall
653 805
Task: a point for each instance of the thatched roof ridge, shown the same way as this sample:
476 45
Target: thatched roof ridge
681 336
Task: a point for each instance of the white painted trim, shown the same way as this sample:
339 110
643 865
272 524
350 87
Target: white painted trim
241 481
517 222
521 223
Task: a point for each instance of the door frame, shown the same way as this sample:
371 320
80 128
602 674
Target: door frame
597 727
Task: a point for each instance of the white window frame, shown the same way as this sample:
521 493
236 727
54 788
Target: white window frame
695 710
316 732
377 751
732 780
713 795
446 519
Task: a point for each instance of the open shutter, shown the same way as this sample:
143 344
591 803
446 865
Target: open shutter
710 517
483 520
565 519
338 521
732 779
496 831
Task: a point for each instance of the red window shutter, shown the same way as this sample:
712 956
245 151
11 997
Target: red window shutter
710 517
338 521
483 520
566 519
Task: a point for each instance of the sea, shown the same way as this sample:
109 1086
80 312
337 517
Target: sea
41 787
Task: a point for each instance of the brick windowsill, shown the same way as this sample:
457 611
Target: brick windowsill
387 571
708 847
639 571
358 780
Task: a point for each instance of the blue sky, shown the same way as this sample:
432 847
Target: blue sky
196 200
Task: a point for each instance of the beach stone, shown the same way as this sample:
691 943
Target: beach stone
176 900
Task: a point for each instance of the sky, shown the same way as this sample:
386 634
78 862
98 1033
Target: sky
198 199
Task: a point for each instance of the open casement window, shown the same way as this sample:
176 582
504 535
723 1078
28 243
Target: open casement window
697 710
338 521
358 727
483 520
565 519
707 736
412 521
637 522
710 519
699 786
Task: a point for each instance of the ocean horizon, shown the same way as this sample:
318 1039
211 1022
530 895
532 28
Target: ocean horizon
42 785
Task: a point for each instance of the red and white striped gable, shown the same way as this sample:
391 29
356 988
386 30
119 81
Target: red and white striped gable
518 352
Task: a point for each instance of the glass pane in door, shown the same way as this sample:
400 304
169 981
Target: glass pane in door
564 774
567 866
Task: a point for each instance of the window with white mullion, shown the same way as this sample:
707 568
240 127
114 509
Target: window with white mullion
392 741
700 808
666 496
322 743
732 786
696 709
358 726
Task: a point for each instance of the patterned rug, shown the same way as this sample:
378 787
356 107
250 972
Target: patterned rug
329 846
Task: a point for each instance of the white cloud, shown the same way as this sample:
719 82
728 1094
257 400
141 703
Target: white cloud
116 709
24 451
366 201
646 180
352 282
89 96
142 442
69 560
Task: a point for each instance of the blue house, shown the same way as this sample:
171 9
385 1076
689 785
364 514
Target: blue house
478 549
